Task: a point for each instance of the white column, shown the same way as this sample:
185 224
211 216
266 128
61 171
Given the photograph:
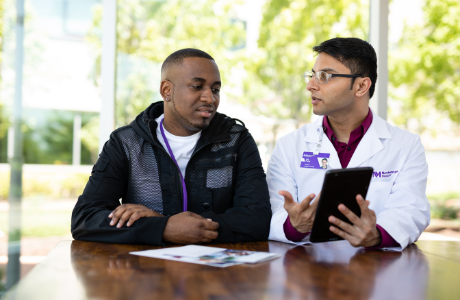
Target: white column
76 151
378 38
253 16
13 269
10 143
108 61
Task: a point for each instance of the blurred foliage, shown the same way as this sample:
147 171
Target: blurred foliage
273 85
51 142
2 284
444 196
55 139
441 211
4 121
49 185
445 205
4 125
425 67
90 137
5 186
36 187
150 31
73 186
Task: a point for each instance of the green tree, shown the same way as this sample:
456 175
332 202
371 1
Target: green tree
4 125
51 142
273 85
425 67
2 285
149 31
90 137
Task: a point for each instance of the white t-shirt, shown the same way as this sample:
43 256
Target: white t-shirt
181 146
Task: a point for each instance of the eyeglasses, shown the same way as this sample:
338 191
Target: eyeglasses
323 77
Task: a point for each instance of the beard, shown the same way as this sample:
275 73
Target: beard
202 126
188 124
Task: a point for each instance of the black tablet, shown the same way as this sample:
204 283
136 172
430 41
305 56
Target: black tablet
340 186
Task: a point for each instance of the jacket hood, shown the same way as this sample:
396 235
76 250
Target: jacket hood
218 130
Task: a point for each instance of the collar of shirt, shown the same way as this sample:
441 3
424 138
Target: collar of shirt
355 137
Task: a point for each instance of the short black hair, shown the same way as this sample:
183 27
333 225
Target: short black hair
324 159
357 55
178 56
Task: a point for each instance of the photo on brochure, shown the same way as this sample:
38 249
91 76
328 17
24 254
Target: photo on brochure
227 258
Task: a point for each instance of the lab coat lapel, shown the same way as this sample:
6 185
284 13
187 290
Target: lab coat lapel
371 143
312 139
312 133
327 147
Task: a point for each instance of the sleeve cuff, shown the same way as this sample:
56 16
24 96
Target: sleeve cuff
291 233
387 240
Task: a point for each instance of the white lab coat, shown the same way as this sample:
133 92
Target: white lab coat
398 198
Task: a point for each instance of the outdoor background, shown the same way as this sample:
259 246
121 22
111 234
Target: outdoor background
262 48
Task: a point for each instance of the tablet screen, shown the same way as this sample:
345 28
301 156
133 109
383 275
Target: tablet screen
340 186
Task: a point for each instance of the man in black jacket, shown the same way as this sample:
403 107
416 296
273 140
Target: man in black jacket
185 173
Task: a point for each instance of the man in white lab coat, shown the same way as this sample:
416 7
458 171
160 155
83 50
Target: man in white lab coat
348 135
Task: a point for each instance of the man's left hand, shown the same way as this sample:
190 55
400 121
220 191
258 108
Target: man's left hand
363 232
130 213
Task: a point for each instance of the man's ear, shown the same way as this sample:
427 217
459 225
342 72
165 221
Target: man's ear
364 84
165 90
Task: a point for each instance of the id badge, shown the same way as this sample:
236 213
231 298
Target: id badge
312 161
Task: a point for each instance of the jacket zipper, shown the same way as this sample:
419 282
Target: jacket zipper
153 139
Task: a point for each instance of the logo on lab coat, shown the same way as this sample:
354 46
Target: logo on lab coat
384 174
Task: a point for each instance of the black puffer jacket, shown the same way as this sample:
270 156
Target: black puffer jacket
224 178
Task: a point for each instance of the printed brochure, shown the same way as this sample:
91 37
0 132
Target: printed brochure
210 256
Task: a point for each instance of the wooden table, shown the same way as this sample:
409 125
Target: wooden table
86 270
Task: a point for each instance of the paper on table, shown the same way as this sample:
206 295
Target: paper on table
216 257
188 251
256 257
193 251
189 254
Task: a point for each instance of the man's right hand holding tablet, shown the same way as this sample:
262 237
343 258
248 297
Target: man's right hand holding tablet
363 232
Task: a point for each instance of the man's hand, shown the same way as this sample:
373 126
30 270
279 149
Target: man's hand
301 214
130 213
363 232
190 228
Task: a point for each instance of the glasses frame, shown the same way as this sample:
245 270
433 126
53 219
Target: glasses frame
309 75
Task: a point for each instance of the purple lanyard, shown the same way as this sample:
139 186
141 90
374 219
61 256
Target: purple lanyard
184 188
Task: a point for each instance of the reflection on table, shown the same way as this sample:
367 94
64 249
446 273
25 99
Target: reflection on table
87 270
339 271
